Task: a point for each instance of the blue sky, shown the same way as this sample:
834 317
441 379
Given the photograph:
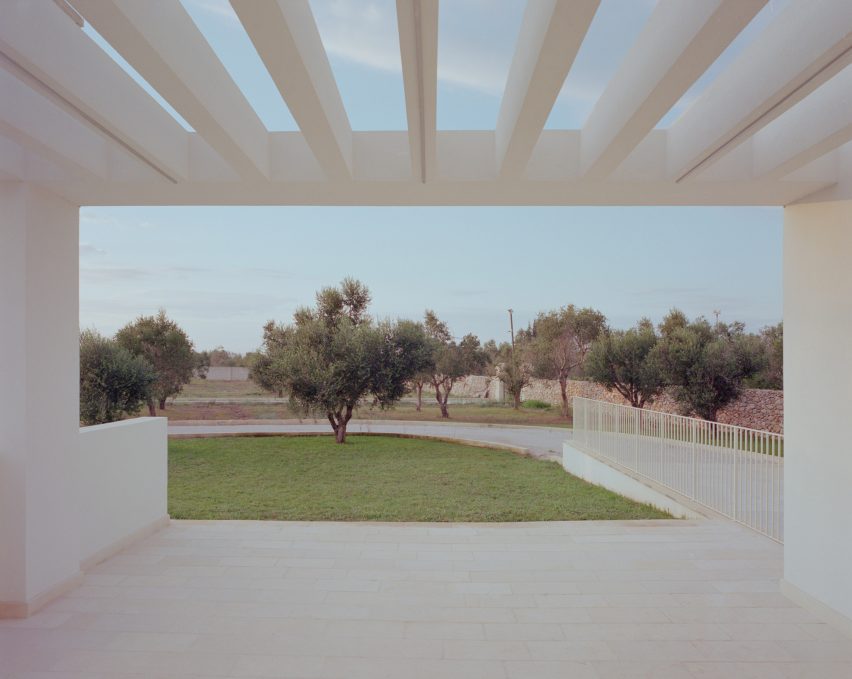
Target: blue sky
222 272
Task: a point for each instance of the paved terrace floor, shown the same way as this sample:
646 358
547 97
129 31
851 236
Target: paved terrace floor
663 599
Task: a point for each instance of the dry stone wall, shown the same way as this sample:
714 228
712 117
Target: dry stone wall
755 408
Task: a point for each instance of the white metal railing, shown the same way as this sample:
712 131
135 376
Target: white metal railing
734 471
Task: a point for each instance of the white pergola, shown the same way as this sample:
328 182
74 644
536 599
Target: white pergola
775 128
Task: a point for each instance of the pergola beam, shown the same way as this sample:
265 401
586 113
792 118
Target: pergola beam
809 130
805 46
161 41
286 37
418 45
550 37
12 160
680 41
37 124
91 86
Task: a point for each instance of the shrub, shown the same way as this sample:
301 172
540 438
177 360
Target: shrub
112 380
535 404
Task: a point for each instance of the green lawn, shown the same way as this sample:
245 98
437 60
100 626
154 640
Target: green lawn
374 478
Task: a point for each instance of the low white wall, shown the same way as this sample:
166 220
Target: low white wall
122 484
593 470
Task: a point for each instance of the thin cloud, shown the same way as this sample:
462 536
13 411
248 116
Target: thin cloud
366 34
112 274
265 272
218 8
191 304
88 250
115 274
469 292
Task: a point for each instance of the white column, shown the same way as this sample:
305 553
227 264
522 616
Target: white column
39 402
818 407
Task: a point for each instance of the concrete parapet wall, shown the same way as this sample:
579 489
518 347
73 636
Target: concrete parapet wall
122 480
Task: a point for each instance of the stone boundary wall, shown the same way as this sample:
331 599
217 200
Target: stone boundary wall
227 373
756 408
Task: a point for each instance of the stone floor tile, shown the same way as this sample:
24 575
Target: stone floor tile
448 630
664 600
634 670
573 650
524 631
289 667
478 649
549 669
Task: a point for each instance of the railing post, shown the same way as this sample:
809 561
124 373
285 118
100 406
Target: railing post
735 481
692 428
636 439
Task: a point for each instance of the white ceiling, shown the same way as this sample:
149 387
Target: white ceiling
774 127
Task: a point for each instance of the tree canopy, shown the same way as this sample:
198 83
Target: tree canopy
559 342
706 365
335 355
626 361
112 380
771 376
163 343
450 360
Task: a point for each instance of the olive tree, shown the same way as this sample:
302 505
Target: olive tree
112 380
559 343
335 355
451 360
627 362
771 376
706 365
512 366
264 371
427 360
202 364
163 343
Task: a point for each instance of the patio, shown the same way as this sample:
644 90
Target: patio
580 599
669 599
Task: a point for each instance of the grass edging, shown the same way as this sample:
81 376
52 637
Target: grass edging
518 450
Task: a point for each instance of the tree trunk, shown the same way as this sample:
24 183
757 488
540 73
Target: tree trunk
152 411
280 393
419 387
162 404
338 421
444 411
340 434
516 401
563 389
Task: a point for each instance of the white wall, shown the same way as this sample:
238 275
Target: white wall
60 504
39 383
818 403
122 479
227 373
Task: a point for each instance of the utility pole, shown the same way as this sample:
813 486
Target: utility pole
514 364
717 313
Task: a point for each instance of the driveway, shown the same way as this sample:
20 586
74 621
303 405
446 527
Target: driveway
540 442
